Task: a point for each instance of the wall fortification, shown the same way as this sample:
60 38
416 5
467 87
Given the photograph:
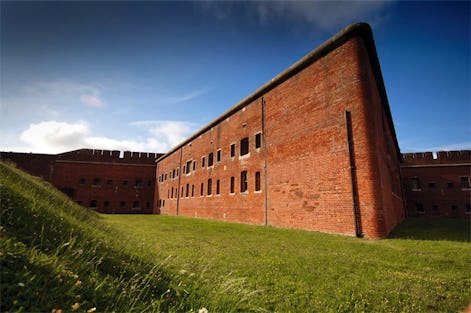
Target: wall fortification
114 156
440 157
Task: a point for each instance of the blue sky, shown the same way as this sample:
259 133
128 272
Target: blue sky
143 76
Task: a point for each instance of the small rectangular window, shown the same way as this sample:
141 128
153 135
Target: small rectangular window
173 173
210 159
258 140
243 181
192 191
125 182
233 150
140 183
419 208
109 182
232 184
450 185
432 184
122 204
210 183
464 182
136 205
106 204
257 181
82 181
187 190
184 169
188 166
96 182
218 156
415 183
202 189
203 159
194 165
217 187
171 195
244 146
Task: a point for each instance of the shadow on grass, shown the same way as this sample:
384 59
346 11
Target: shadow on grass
434 228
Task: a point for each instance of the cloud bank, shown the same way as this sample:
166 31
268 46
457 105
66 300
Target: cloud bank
57 137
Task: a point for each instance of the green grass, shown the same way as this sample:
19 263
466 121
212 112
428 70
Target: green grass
137 263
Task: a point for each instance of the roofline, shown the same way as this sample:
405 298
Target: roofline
358 29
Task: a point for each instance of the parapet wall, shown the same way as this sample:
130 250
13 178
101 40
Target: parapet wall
440 157
114 156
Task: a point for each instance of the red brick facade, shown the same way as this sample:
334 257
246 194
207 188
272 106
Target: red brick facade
326 158
437 185
97 179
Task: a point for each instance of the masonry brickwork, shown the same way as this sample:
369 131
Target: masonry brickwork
102 180
322 152
437 184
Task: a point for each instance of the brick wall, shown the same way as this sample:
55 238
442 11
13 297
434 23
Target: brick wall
437 184
106 181
304 160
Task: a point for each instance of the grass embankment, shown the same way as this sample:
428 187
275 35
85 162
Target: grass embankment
299 271
56 254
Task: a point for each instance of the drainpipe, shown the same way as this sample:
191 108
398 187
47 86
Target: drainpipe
265 168
179 177
353 175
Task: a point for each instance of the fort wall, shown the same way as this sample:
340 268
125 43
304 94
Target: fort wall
317 136
437 184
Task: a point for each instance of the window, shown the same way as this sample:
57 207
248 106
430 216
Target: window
464 182
450 185
173 173
192 191
244 146
125 182
96 182
435 208
454 208
233 150
93 204
210 159
257 181
217 187
109 182
432 184
149 183
415 183
171 195
82 181
147 204
139 183
188 166
243 181
232 184
184 169
136 205
178 170
468 209
106 204
187 190
194 165
210 182
218 155
203 159
258 140
165 178
419 208
122 204
201 190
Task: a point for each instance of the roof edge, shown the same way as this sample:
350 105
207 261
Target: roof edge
361 29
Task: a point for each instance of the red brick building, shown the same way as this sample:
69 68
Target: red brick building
98 179
315 148
437 185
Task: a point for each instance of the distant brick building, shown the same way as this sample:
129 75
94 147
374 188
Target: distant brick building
98 179
437 185
315 148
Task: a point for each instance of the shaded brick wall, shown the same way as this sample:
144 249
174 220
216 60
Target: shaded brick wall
106 181
437 186
304 161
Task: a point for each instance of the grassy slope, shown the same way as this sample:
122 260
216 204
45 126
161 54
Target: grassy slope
301 271
55 254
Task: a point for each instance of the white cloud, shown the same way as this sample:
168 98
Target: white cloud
448 147
92 101
57 137
167 133
318 15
